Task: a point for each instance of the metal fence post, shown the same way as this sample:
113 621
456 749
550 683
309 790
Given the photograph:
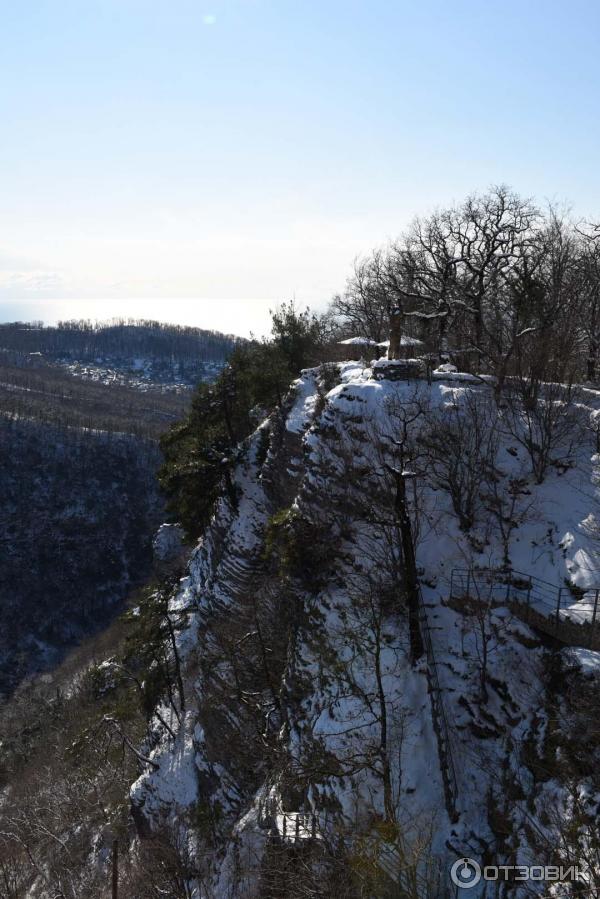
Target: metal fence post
557 620
529 589
593 626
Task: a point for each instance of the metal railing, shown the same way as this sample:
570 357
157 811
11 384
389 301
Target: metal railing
307 828
295 827
539 603
289 827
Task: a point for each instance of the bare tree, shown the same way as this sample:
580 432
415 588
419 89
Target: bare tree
509 502
365 704
486 628
544 420
589 294
511 289
460 443
369 297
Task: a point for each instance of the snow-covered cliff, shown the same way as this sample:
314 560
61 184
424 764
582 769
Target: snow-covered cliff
303 712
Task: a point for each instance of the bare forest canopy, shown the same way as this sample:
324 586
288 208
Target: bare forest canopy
47 393
504 287
79 509
119 338
170 352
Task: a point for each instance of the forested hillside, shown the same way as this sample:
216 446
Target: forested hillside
79 458
138 350
78 512
50 393
80 503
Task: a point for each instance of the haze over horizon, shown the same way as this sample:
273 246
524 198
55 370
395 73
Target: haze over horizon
235 153
239 317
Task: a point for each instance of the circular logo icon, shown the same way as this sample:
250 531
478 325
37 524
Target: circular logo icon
465 873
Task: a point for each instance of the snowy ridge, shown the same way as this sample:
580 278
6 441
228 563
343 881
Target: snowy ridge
347 731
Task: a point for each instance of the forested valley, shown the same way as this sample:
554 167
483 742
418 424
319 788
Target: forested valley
79 458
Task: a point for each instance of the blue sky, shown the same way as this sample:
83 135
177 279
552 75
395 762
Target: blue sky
201 161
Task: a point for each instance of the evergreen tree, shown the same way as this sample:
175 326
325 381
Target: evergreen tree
200 451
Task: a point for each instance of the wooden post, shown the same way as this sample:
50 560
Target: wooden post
593 627
297 838
557 620
115 869
395 333
468 593
529 602
284 825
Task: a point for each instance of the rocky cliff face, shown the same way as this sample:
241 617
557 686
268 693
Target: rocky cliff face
306 745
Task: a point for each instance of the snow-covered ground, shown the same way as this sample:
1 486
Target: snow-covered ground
143 374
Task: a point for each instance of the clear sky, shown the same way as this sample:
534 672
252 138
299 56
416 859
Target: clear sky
232 153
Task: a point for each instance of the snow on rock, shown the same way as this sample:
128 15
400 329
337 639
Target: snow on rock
586 659
352 371
304 405
405 340
358 341
168 542
396 369
454 375
173 786
326 465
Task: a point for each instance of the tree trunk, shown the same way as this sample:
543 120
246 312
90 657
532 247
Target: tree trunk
592 360
395 334
410 571
115 870
388 801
